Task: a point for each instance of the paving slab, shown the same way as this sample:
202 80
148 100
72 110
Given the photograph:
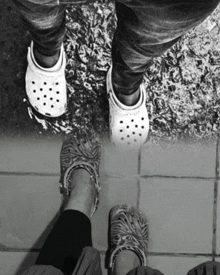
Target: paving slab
175 265
17 262
118 162
218 214
179 159
27 206
29 155
180 214
218 223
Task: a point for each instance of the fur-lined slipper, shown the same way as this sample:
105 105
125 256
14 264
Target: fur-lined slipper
82 153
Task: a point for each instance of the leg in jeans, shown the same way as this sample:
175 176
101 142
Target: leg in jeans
45 81
146 29
46 24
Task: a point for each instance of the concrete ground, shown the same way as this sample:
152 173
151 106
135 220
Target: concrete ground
174 184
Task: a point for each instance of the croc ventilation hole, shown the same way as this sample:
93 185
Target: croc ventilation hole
133 136
45 96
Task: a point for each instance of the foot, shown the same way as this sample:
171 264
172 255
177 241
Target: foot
129 122
45 83
83 192
46 61
128 100
128 239
79 183
125 261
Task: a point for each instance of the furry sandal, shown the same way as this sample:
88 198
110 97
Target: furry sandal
82 153
128 231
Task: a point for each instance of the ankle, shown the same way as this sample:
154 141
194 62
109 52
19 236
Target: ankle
83 193
128 100
125 261
46 61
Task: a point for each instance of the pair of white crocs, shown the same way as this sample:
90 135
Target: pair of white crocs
47 93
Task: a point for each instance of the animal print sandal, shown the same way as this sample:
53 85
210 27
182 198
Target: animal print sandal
128 231
80 153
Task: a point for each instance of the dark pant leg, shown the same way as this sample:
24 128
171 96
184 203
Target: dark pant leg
146 29
144 270
46 24
66 241
207 268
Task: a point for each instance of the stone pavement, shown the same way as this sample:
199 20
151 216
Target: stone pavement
174 184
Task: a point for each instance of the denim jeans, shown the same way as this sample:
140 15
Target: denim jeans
145 29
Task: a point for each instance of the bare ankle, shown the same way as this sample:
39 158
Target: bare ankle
83 193
125 262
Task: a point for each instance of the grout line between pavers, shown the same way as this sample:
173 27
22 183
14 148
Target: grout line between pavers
179 254
35 174
138 176
138 180
177 177
170 254
215 209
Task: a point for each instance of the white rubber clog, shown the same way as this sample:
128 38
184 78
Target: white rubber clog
129 125
46 88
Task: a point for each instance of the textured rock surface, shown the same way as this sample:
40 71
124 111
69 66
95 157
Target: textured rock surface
183 85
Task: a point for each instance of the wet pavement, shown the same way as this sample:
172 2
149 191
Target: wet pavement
182 86
87 103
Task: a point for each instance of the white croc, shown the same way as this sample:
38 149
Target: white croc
129 125
46 88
